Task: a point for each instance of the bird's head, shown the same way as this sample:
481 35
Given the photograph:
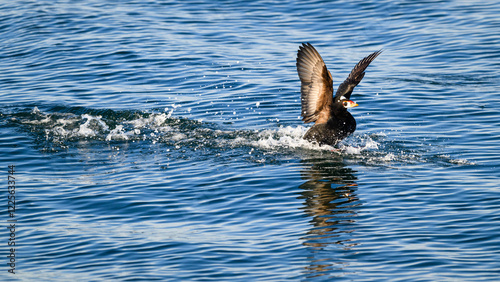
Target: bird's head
346 103
349 104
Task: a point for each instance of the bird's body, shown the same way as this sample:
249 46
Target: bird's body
340 125
329 113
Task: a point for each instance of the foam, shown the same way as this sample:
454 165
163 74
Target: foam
91 127
389 157
60 127
178 137
155 120
449 159
286 137
35 110
119 134
373 148
462 162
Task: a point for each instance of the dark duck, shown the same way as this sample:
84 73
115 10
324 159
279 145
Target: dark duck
332 121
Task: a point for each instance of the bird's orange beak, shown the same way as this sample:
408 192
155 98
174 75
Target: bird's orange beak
350 104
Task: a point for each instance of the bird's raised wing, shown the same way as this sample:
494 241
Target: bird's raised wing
316 85
354 78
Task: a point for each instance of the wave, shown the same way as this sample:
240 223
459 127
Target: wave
60 129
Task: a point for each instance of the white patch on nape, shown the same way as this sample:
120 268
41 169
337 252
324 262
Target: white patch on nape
342 98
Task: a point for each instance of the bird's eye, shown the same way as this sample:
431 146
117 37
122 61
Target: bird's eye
345 104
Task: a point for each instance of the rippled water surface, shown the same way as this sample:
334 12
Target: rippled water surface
161 141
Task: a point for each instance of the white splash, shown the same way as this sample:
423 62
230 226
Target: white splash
451 160
286 137
155 120
178 137
462 162
117 134
91 126
389 157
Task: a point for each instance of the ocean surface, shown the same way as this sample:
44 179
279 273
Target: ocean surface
161 141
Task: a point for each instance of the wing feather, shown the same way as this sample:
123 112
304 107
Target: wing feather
358 72
316 85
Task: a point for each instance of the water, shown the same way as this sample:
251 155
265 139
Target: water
162 141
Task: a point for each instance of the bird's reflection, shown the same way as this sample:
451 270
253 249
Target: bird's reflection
330 200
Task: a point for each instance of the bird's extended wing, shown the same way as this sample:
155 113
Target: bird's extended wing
316 85
354 78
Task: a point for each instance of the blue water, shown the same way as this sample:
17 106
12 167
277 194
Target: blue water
162 141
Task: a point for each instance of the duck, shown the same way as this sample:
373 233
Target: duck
332 120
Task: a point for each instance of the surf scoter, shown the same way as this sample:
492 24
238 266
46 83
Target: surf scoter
332 121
